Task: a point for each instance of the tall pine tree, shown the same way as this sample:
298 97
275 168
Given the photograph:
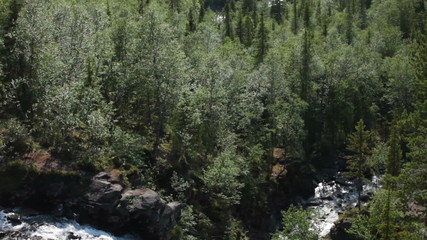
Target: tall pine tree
359 142
262 38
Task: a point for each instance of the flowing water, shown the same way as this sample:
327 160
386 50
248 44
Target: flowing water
334 197
331 199
42 227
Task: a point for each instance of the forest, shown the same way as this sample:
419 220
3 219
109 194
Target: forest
230 107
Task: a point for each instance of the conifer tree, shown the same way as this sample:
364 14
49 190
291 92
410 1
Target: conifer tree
363 15
262 40
247 31
202 11
414 174
141 6
240 30
294 18
393 166
349 25
305 66
394 160
229 32
306 15
191 25
359 144
277 10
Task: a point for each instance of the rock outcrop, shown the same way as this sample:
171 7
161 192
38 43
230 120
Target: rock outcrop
102 201
139 210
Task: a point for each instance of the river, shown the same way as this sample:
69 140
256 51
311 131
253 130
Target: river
16 226
333 197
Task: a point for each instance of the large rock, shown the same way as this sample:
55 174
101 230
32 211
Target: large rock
171 214
147 212
103 191
140 210
102 201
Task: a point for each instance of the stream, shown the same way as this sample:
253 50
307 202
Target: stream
333 197
14 225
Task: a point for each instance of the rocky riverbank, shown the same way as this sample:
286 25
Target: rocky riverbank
335 194
332 198
104 201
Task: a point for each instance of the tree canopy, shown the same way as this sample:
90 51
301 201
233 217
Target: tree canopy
239 102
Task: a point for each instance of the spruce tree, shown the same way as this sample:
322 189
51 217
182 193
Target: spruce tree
349 26
229 32
393 166
305 66
363 15
294 18
306 15
248 31
262 40
202 12
414 174
240 30
394 160
359 144
191 25
141 6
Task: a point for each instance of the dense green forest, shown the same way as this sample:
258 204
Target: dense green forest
197 99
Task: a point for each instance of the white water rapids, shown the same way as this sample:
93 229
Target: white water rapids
49 228
333 198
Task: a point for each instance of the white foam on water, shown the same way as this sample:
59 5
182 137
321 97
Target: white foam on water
6 225
48 228
3 223
61 231
334 198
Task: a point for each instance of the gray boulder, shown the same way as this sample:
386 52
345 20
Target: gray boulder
149 213
141 211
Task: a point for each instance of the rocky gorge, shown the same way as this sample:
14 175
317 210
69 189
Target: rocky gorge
104 201
68 204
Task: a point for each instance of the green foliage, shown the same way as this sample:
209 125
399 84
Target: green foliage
235 231
385 214
394 160
128 148
15 139
359 144
385 218
297 225
16 175
262 40
401 81
186 228
414 173
221 178
361 227
191 97
180 185
192 225
377 161
1 62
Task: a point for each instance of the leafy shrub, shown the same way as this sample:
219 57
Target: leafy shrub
14 139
